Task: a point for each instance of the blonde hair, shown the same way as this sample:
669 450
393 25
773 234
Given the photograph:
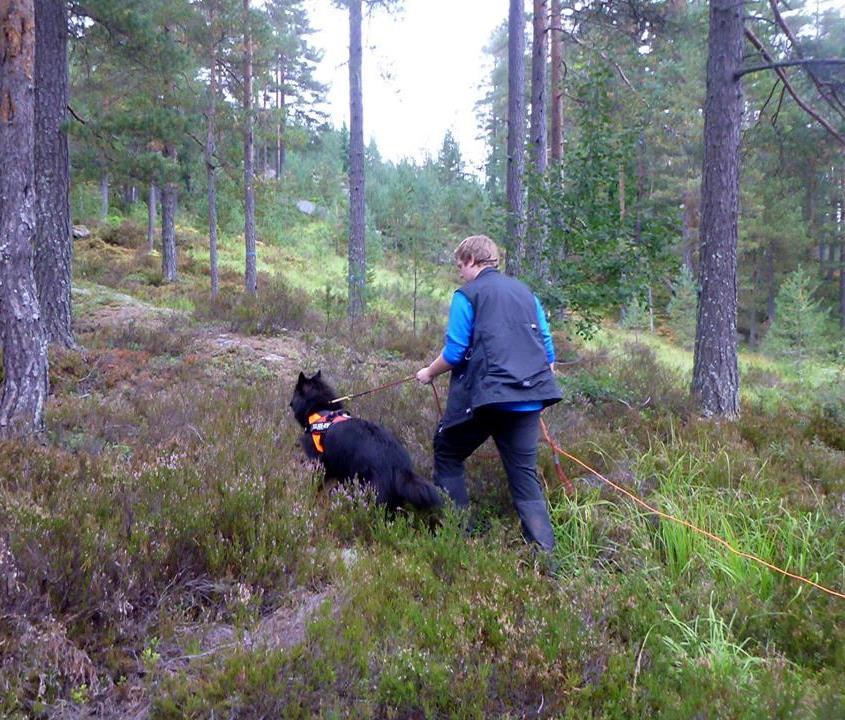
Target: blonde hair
479 249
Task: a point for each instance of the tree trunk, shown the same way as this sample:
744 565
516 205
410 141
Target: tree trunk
25 378
842 286
280 120
539 58
771 291
842 256
688 222
250 275
262 133
168 222
516 137
621 193
211 172
104 195
715 383
357 241
151 217
557 84
53 240
640 190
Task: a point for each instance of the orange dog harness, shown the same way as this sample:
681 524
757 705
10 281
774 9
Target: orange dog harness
319 423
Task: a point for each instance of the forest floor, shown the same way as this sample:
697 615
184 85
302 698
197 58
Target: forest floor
166 552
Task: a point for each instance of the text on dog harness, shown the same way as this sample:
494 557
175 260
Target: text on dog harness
318 425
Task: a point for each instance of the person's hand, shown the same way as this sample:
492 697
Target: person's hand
424 376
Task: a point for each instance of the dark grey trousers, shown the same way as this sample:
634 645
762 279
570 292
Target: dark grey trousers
516 435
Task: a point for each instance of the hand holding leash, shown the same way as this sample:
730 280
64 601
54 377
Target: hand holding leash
424 376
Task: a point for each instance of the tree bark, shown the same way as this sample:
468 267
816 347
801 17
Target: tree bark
104 195
25 378
280 121
771 290
152 213
842 286
557 84
842 257
539 58
516 137
250 274
211 171
168 222
715 383
688 222
357 241
53 240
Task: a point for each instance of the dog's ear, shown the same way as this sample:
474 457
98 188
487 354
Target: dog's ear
317 375
301 379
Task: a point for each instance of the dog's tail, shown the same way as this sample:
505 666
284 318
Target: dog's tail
417 491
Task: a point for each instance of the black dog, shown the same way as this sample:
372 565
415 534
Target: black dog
349 447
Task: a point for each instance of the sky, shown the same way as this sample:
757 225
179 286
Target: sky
423 68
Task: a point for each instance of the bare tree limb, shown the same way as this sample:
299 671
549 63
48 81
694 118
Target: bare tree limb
780 105
768 100
832 100
76 115
579 41
755 41
789 63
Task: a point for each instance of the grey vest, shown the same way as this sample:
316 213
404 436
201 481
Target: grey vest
506 360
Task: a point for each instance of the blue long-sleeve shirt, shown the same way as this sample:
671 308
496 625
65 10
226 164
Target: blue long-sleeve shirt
459 336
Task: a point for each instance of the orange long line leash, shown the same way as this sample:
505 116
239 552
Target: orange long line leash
685 523
569 489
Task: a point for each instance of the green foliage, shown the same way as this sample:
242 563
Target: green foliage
184 511
277 308
682 310
800 329
636 315
599 256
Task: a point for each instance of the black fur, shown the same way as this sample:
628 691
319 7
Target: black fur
358 448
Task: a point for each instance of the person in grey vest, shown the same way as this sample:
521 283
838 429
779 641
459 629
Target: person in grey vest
500 353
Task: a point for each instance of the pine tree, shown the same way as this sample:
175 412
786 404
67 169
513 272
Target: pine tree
800 327
25 382
683 308
516 137
53 244
715 383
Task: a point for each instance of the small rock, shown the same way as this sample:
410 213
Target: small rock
273 358
306 207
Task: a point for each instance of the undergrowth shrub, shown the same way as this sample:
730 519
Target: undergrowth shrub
394 338
432 625
126 234
276 308
170 336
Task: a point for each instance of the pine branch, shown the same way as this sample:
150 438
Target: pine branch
593 48
789 63
832 100
755 41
